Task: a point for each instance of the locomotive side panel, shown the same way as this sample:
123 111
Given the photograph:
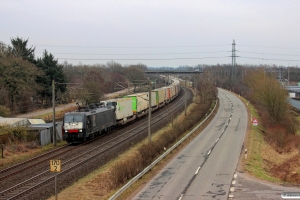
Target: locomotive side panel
107 119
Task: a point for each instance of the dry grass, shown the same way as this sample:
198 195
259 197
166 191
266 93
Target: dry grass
18 152
58 114
266 159
288 171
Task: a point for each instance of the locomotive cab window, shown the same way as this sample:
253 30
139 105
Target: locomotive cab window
114 104
73 118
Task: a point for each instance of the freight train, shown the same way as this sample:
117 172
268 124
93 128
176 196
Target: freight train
88 122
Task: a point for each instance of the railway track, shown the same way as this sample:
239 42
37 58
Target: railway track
74 167
15 173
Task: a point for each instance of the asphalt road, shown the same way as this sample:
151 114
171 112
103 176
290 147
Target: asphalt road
251 188
205 168
295 103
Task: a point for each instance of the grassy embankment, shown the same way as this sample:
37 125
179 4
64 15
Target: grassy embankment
263 161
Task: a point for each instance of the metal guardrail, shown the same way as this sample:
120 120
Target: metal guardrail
119 192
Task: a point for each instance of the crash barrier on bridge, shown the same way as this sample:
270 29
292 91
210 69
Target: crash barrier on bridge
118 193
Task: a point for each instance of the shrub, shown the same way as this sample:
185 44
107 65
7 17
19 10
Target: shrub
4 111
280 139
13 134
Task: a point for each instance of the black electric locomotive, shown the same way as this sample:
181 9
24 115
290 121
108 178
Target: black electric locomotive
86 123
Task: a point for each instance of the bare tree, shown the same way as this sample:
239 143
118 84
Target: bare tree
92 88
206 86
269 93
135 73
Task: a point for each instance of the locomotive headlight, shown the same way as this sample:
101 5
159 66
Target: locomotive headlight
80 130
66 131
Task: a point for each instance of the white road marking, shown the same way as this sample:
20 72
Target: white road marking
209 152
197 170
234 176
181 196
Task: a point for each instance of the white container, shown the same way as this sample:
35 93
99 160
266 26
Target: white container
168 93
123 107
153 99
161 95
292 94
173 91
140 102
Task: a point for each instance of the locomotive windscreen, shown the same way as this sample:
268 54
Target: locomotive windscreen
111 104
73 118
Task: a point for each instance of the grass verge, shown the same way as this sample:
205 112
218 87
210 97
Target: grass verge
261 156
20 152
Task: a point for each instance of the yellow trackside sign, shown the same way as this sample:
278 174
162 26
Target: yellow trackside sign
55 165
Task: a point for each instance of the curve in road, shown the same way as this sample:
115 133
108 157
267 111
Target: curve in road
205 168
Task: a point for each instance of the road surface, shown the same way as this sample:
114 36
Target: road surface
205 168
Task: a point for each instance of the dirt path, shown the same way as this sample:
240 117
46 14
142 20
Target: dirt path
59 108
37 113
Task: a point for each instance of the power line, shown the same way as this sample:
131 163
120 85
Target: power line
269 59
269 47
142 58
128 54
128 47
275 54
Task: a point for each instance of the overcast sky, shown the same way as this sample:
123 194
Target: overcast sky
157 32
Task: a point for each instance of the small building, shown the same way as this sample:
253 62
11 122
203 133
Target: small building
38 127
45 132
13 122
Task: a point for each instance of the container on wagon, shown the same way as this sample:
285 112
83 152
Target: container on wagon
123 107
168 94
160 96
173 91
139 102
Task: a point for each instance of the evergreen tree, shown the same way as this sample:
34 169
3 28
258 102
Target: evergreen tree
53 71
19 49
